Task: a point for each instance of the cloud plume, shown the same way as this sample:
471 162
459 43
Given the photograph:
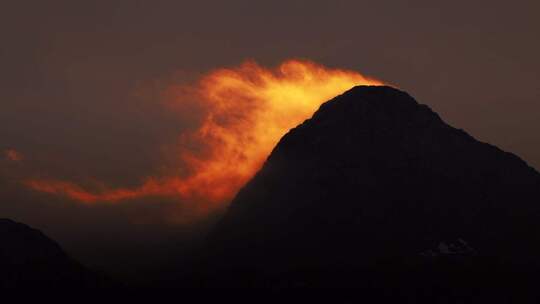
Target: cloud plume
245 111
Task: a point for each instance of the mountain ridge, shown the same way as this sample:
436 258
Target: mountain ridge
374 164
32 261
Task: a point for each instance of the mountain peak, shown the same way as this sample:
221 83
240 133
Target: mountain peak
369 99
376 174
375 93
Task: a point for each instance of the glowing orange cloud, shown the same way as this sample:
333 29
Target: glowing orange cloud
247 110
13 155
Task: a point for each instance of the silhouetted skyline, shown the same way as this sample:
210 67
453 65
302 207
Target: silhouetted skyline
83 87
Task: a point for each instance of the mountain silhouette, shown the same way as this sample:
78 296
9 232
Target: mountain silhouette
377 183
29 260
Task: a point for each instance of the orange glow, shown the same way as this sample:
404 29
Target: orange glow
247 110
13 155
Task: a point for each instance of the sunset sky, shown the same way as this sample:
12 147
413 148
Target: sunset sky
94 93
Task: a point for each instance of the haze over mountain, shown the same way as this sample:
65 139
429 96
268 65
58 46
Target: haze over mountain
374 176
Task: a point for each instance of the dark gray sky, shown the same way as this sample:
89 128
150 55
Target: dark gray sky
81 79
